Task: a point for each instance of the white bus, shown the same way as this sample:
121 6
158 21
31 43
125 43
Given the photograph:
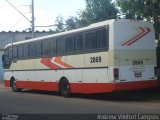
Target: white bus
108 56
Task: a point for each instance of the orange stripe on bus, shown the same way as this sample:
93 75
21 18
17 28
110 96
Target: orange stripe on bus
47 62
59 61
146 32
143 32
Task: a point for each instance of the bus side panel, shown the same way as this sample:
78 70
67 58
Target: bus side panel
7 77
75 78
38 80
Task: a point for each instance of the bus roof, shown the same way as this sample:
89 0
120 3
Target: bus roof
95 25
92 26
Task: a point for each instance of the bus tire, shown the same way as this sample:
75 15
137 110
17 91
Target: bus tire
13 85
64 88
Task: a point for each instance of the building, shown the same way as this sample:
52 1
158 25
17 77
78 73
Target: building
10 36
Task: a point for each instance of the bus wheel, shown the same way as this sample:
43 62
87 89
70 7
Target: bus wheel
13 85
64 88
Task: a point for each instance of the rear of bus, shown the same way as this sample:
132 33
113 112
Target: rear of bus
134 54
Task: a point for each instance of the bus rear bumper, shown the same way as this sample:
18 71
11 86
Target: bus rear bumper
89 88
136 85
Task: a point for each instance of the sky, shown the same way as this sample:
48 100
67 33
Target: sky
45 12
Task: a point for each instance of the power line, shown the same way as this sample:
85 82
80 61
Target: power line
32 22
47 25
18 10
4 6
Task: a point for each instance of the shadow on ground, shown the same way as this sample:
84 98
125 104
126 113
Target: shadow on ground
138 95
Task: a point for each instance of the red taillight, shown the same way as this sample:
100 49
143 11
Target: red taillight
155 71
116 73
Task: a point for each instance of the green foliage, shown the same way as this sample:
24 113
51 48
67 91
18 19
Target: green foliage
139 8
99 10
71 23
95 11
59 24
130 8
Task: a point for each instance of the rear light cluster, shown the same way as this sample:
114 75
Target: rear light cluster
116 73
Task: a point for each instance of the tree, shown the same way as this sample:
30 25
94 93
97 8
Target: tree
95 11
71 23
98 10
59 24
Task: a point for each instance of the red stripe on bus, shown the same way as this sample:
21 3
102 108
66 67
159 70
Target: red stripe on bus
87 88
111 87
146 32
47 62
142 31
7 83
137 37
37 85
59 61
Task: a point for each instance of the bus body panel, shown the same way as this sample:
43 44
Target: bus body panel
87 88
135 50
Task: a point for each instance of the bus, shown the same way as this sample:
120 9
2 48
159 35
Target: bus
109 56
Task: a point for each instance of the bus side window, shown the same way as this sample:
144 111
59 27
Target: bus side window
38 49
90 41
78 42
69 44
32 49
20 51
45 48
6 53
15 52
10 53
25 50
52 47
101 38
35 49
60 46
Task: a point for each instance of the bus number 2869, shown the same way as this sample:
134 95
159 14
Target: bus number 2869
97 59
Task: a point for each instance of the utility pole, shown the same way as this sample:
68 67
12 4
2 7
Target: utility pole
32 19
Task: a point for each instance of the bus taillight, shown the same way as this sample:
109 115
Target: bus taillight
116 73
